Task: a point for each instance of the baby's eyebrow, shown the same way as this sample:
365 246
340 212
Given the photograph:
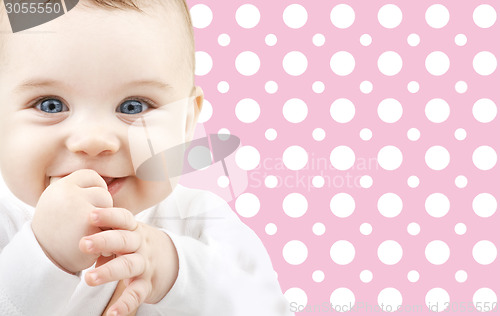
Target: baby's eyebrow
42 83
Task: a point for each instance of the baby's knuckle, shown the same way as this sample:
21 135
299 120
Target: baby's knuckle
123 240
127 264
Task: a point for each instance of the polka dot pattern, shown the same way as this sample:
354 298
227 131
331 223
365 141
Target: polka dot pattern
368 139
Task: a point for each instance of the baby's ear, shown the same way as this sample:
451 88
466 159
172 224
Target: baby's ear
193 113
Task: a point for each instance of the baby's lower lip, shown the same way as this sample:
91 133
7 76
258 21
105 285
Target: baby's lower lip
115 185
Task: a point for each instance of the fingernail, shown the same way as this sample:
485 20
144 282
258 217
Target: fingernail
93 277
89 244
94 217
114 313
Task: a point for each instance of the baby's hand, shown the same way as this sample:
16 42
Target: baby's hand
146 258
61 217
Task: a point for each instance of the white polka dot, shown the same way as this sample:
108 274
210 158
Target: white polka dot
484 63
389 299
296 296
342 205
366 87
295 63
224 40
295 110
390 252
247 157
461 276
390 16
319 229
390 157
342 110
413 229
413 276
342 16
366 276
460 39
318 181
295 252
366 181
318 276
438 298
413 39
295 157
484 252
204 63
437 252
413 181
365 229
295 16
437 63
460 228
342 63
342 157
247 63
460 134
247 16
365 134
295 205
390 110
223 134
461 87
271 39
484 16
271 134
461 182
484 205
484 157
365 39
484 110
201 16
342 299
437 205
223 87
342 252
390 63
247 205
223 181
271 229
413 87
413 134
437 157
271 87
390 205
271 182
318 87
482 296
206 112
247 110
318 134
437 16
319 40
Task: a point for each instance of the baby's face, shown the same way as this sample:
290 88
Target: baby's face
71 89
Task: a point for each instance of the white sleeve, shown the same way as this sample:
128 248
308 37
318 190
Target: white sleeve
224 269
30 284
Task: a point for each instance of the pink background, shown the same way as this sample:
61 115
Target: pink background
262 206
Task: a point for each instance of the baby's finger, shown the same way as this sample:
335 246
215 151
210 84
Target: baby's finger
111 241
132 297
114 217
122 267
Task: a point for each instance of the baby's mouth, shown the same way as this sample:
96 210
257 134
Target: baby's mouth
108 180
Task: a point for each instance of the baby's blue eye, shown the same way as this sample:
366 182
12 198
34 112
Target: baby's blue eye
132 107
51 106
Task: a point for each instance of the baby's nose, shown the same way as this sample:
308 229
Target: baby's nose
93 141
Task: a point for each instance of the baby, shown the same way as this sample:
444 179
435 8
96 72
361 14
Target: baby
81 233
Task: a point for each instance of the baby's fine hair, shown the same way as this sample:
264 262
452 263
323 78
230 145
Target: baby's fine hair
170 6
